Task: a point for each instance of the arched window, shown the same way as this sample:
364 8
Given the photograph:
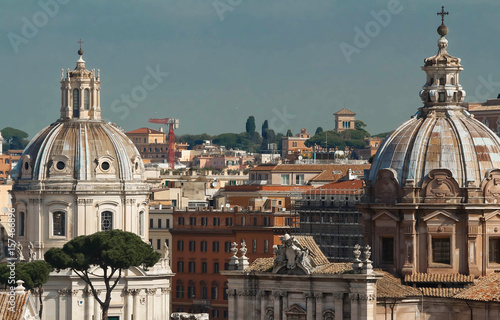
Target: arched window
59 223
106 220
452 81
179 289
191 289
442 82
76 103
141 223
204 290
86 99
215 291
22 218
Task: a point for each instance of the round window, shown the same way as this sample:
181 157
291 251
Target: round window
26 165
105 166
60 165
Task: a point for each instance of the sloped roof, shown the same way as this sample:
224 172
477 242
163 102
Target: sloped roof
19 306
391 287
315 252
345 111
448 278
343 187
146 130
486 289
440 292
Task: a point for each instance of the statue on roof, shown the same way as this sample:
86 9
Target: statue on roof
291 257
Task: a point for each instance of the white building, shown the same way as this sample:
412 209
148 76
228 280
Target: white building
79 176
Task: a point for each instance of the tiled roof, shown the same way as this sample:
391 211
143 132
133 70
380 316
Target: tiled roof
20 302
391 287
315 252
440 292
449 278
261 265
329 175
146 130
345 111
335 187
333 268
486 289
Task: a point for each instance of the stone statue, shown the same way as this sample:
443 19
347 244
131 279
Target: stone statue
19 251
166 251
291 257
32 253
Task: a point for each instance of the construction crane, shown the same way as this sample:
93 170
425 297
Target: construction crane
172 124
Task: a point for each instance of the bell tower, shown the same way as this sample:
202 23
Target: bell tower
80 92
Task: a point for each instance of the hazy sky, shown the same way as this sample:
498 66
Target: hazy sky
292 62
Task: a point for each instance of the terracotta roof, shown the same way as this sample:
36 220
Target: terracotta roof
146 130
484 108
486 289
264 167
329 175
261 265
440 292
19 306
335 187
333 268
315 252
391 287
345 111
449 278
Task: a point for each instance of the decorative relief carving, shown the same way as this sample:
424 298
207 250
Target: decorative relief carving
338 295
440 186
150 291
231 292
245 293
329 315
291 257
386 187
85 201
491 186
319 295
353 296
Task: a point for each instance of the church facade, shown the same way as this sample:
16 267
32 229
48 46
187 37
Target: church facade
78 176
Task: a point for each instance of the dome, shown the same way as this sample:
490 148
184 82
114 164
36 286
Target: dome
442 143
80 150
445 138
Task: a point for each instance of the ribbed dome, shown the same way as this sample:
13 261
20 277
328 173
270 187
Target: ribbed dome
80 150
449 139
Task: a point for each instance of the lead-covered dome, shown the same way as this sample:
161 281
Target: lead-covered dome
442 149
80 146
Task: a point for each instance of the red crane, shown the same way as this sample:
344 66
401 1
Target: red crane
172 124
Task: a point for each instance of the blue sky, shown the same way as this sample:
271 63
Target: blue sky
228 59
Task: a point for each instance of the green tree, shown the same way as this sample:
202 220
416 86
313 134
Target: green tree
289 133
383 134
14 138
112 251
318 130
250 126
34 274
265 126
358 124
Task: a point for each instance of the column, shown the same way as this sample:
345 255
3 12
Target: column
278 315
309 305
150 303
97 306
354 305
62 303
263 304
339 303
319 305
135 294
89 303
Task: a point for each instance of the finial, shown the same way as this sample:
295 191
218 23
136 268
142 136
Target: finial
80 52
442 29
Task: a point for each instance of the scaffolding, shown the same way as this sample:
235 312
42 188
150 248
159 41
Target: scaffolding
332 218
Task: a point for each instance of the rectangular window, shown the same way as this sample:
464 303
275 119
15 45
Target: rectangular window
179 291
216 222
388 250
267 221
192 221
58 223
285 179
494 250
204 221
229 222
180 245
150 223
254 245
299 179
158 244
227 246
254 221
192 267
216 268
266 246
159 223
180 266
192 246
203 267
203 246
168 223
215 246
180 221
243 221
441 250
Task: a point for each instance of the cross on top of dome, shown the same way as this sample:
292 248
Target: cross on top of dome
80 52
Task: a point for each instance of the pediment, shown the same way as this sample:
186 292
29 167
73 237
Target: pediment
436 214
295 309
385 215
491 215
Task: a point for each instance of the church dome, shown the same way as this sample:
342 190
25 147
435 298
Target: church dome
441 139
80 146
